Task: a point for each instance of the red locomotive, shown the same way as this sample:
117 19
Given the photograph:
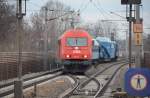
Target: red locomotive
75 50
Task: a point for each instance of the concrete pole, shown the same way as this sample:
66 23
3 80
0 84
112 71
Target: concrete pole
126 48
130 35
35 90
20 17
18 90
45 41
138 47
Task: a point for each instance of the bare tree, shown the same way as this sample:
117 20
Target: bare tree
7 26
55 23
102 28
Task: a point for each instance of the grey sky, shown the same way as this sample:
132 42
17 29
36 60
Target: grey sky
97 10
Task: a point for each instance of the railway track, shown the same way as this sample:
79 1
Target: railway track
102 90
67 93
8 89
29 77
79 87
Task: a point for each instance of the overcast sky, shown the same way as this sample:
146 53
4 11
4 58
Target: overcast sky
93 10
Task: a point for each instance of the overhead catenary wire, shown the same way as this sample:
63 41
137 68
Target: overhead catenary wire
107 12
58 16
117 15
99 8
104 10
52 10
103 15
39 6
84 7
103 23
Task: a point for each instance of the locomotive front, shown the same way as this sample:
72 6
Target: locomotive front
76 49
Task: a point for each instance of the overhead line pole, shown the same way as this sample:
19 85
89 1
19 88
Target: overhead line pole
46 41
18 86
130 35
19 29
45 54
139 50
138 47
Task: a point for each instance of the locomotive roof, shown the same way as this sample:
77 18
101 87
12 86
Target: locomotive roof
103 39
77 30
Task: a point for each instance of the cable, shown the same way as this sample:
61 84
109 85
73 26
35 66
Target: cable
82 4
100 8
101 13
117 15
109 13
59 16
86 5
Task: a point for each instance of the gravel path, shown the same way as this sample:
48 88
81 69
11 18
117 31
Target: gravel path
50 89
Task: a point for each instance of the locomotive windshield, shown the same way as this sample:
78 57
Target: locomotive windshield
76 41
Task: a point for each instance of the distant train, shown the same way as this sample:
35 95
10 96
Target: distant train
104 49
75 50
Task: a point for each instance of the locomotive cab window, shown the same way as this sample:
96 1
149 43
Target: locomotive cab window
76 41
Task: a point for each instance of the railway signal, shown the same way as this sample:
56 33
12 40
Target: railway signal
130 20
138 39
130 1
138 27
124 1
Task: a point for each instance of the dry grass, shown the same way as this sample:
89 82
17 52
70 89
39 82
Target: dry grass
50 89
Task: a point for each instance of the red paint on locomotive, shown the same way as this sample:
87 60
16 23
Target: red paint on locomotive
75 44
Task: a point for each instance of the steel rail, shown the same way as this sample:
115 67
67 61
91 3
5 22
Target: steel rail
68 92
31 77
10 89
79 86
101 91
83 84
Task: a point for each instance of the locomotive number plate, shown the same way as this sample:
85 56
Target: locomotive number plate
76 51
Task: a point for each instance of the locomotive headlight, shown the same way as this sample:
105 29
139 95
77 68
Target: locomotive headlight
67 56
76 48
85 56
